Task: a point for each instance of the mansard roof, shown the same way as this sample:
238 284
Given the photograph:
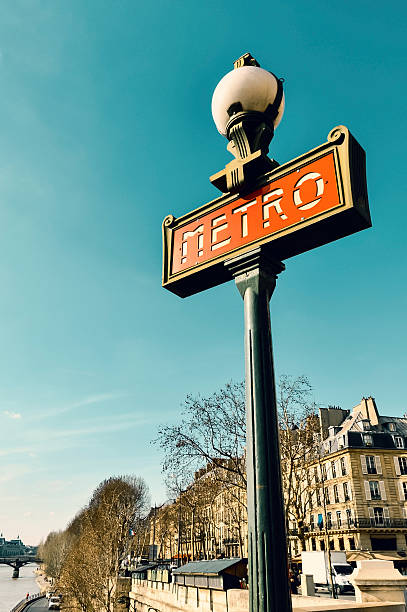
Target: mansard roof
364 428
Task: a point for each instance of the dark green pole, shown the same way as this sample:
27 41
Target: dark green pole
255 276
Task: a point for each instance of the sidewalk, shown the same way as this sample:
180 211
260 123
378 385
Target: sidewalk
41 579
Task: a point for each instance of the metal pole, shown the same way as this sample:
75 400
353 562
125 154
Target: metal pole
255 275
179 530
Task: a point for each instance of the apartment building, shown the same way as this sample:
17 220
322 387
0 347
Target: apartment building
359 482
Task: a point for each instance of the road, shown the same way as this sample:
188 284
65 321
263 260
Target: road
40 604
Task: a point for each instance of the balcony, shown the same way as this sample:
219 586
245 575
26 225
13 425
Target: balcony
362 523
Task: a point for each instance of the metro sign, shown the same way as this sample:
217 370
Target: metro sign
317 198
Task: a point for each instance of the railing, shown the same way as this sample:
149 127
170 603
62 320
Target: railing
359 523
305 529
22 604
231 541
25 558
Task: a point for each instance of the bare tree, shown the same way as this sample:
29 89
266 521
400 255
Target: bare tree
99 539
299 426
53 552
211 437
211 434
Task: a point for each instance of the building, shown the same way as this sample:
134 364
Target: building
207 521
356 483
15 548
359 478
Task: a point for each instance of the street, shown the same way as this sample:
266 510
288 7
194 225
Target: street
40 604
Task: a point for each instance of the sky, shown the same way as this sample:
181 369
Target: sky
106 127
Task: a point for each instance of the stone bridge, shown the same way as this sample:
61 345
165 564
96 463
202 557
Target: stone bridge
18 561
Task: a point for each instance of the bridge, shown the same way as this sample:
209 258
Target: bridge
17 562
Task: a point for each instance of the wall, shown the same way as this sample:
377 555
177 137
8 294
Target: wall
148 596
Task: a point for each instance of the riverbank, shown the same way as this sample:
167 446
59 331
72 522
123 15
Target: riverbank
41 579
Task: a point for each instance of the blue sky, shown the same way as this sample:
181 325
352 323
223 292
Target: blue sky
105 129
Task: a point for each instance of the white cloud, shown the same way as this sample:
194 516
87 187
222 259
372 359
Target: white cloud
14 451
12 415
90 400
13 471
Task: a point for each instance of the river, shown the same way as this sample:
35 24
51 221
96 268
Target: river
13 590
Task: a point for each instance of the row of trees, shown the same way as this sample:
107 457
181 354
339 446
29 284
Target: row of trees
204 457
204 469
84 559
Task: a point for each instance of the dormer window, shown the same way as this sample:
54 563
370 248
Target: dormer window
368 440
392 427
398 441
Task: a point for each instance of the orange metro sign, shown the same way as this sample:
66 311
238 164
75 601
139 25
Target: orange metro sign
312 200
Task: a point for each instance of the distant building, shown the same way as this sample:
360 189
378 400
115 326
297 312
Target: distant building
15 548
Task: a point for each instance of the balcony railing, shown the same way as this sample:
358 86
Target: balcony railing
361 523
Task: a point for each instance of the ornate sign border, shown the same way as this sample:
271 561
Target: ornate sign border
351 215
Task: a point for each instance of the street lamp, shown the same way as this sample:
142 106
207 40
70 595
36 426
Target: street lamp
247 106
267 214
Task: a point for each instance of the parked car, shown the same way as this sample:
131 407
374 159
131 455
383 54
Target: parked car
54 603
49 594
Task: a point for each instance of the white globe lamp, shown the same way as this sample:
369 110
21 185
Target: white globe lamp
247 106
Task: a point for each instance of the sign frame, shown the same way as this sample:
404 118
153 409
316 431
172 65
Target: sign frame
349 216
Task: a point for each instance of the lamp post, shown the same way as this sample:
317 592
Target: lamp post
247 105
267 213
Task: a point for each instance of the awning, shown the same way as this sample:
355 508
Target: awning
213 567
366 555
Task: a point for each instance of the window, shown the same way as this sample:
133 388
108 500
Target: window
378 516
311 523
343 466
336 494
339 519
326 494
341 544
331 545
318 497
403 465
371 464
333 467
349 517
323 471
351 543
368 440
346 496
313 544
404 486
316 478
374 489
321 545
329 520
398 441
392 427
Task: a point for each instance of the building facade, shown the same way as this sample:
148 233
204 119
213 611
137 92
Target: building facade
359 476
14 548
